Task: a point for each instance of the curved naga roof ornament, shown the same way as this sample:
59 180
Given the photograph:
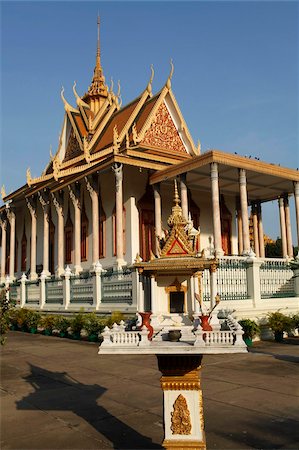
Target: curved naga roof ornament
149 86
79 100
67 106
28 177
168 82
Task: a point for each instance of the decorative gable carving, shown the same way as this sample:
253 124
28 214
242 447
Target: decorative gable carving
163 133
73 148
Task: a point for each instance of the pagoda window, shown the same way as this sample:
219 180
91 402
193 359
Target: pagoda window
84 234
114 230
102 231
23 251
146 207
69 237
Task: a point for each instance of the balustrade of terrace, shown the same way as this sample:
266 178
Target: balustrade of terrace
244 284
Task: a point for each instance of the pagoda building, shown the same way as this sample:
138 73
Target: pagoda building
105 195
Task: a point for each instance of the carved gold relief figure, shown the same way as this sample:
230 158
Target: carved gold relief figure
180 417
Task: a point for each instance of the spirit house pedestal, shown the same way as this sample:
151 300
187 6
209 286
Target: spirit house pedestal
179 357
183 409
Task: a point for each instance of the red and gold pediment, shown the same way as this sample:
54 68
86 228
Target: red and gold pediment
177 245
162 132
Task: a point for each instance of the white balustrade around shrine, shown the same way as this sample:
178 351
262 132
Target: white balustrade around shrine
119 340
240 282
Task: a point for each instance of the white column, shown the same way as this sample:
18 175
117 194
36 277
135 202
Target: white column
31 203
12 222
240 232
184 196
23 290
74 192
296 197
118 172
244 210
67 288
216 210
283 228
91 184
261 231
288 227
44 200
3 223
255 231
98 285
158 219
58 203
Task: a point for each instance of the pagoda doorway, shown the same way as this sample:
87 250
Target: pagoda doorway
146 209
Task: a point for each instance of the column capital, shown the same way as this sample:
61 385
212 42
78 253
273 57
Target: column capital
280 201
58 202
10 213
214 170
74 192
118 172
31 203
91 184
44 199
242 176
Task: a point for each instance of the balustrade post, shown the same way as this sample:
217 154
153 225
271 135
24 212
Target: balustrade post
67 288
42 287
213 284
23 290
7 283
97 287
135 290
253 280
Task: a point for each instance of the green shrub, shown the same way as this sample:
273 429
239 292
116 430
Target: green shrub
250 328
116 317
48 322
33 318
279 322
22 318
93 324
77 323
62 324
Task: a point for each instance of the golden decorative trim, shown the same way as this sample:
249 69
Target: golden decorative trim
170 444
180 417
133 115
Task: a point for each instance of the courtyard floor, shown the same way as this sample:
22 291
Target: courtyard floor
59 394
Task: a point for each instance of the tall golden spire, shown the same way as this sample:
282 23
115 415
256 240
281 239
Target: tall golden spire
98 87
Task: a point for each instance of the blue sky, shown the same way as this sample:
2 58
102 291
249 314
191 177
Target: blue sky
235 79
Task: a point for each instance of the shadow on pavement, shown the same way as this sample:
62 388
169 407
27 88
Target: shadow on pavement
58 391
282 357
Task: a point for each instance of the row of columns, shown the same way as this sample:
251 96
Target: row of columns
242 219
58 201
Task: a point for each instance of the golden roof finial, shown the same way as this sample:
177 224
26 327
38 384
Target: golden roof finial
168 82
98 86
176 198
67 106
111 86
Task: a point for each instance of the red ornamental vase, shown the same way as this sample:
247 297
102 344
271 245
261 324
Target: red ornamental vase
146 320
204 323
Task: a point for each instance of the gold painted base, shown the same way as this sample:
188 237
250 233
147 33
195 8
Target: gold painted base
179 445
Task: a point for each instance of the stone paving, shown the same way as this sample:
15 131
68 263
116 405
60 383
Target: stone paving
59 394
